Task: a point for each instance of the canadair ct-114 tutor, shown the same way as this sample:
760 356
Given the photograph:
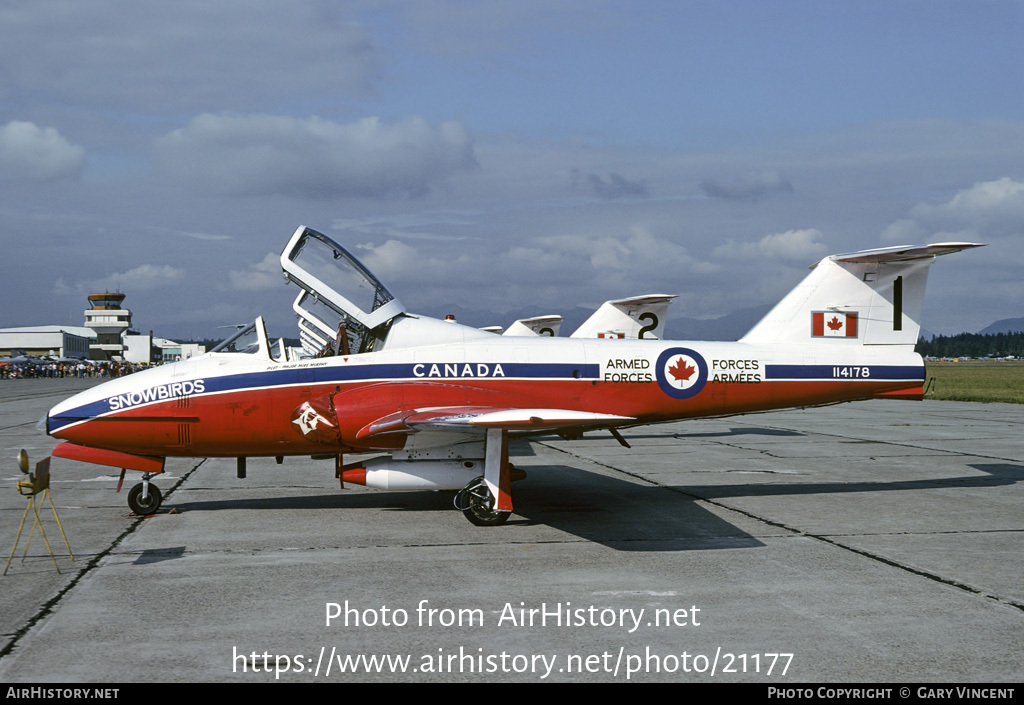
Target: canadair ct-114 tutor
441 399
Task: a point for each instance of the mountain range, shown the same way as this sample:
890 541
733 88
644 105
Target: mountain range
1006 325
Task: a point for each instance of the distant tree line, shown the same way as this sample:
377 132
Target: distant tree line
973 345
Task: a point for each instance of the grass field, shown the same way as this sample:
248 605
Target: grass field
976 381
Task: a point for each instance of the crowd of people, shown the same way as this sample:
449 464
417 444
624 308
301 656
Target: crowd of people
81 370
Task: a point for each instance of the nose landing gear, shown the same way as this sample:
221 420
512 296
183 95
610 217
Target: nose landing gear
144 498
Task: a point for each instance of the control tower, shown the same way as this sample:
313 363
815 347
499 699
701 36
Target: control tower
110 321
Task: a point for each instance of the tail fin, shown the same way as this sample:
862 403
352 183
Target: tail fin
872 297
640 317
541 325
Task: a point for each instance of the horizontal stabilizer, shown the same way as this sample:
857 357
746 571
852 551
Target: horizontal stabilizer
905 253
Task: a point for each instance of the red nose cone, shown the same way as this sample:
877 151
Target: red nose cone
357 476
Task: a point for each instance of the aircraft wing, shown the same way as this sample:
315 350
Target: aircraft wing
469 418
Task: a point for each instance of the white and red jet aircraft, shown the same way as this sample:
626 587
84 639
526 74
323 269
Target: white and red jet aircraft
443 398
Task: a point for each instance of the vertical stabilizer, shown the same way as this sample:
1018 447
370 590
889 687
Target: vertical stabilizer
639 317
872 297
541 325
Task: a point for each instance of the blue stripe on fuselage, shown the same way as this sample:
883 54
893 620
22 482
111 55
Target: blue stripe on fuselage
845 372
404 371
328 374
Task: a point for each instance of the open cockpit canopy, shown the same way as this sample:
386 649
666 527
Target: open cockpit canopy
343 308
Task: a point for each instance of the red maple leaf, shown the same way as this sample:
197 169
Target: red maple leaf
681 371
834 324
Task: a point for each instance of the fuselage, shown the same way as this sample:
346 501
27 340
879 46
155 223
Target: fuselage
235 404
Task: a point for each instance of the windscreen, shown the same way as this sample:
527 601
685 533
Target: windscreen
244 340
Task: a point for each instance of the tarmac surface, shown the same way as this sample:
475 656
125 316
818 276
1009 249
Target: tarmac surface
878 542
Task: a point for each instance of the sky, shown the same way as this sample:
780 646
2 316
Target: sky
503 156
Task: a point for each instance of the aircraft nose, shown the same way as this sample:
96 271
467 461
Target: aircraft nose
62 416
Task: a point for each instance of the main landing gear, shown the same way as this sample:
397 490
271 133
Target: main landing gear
145 498
487 500
476 503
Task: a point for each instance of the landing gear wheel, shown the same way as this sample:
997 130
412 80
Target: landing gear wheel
477 504
146 506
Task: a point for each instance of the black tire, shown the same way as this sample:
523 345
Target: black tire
479 516
478 505
149 505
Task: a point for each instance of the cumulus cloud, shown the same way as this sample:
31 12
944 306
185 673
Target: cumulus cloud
391 258
905 231
145 277
602 253
616 186
988 209
990 212
990 204
986 197
556 270
748 187
428 267
630 260
28 151
792 245
314 158
261 276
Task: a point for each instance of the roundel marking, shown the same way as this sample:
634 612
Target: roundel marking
681 372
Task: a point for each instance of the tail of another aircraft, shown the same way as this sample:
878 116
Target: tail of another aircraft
872 297
541 325
639 317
